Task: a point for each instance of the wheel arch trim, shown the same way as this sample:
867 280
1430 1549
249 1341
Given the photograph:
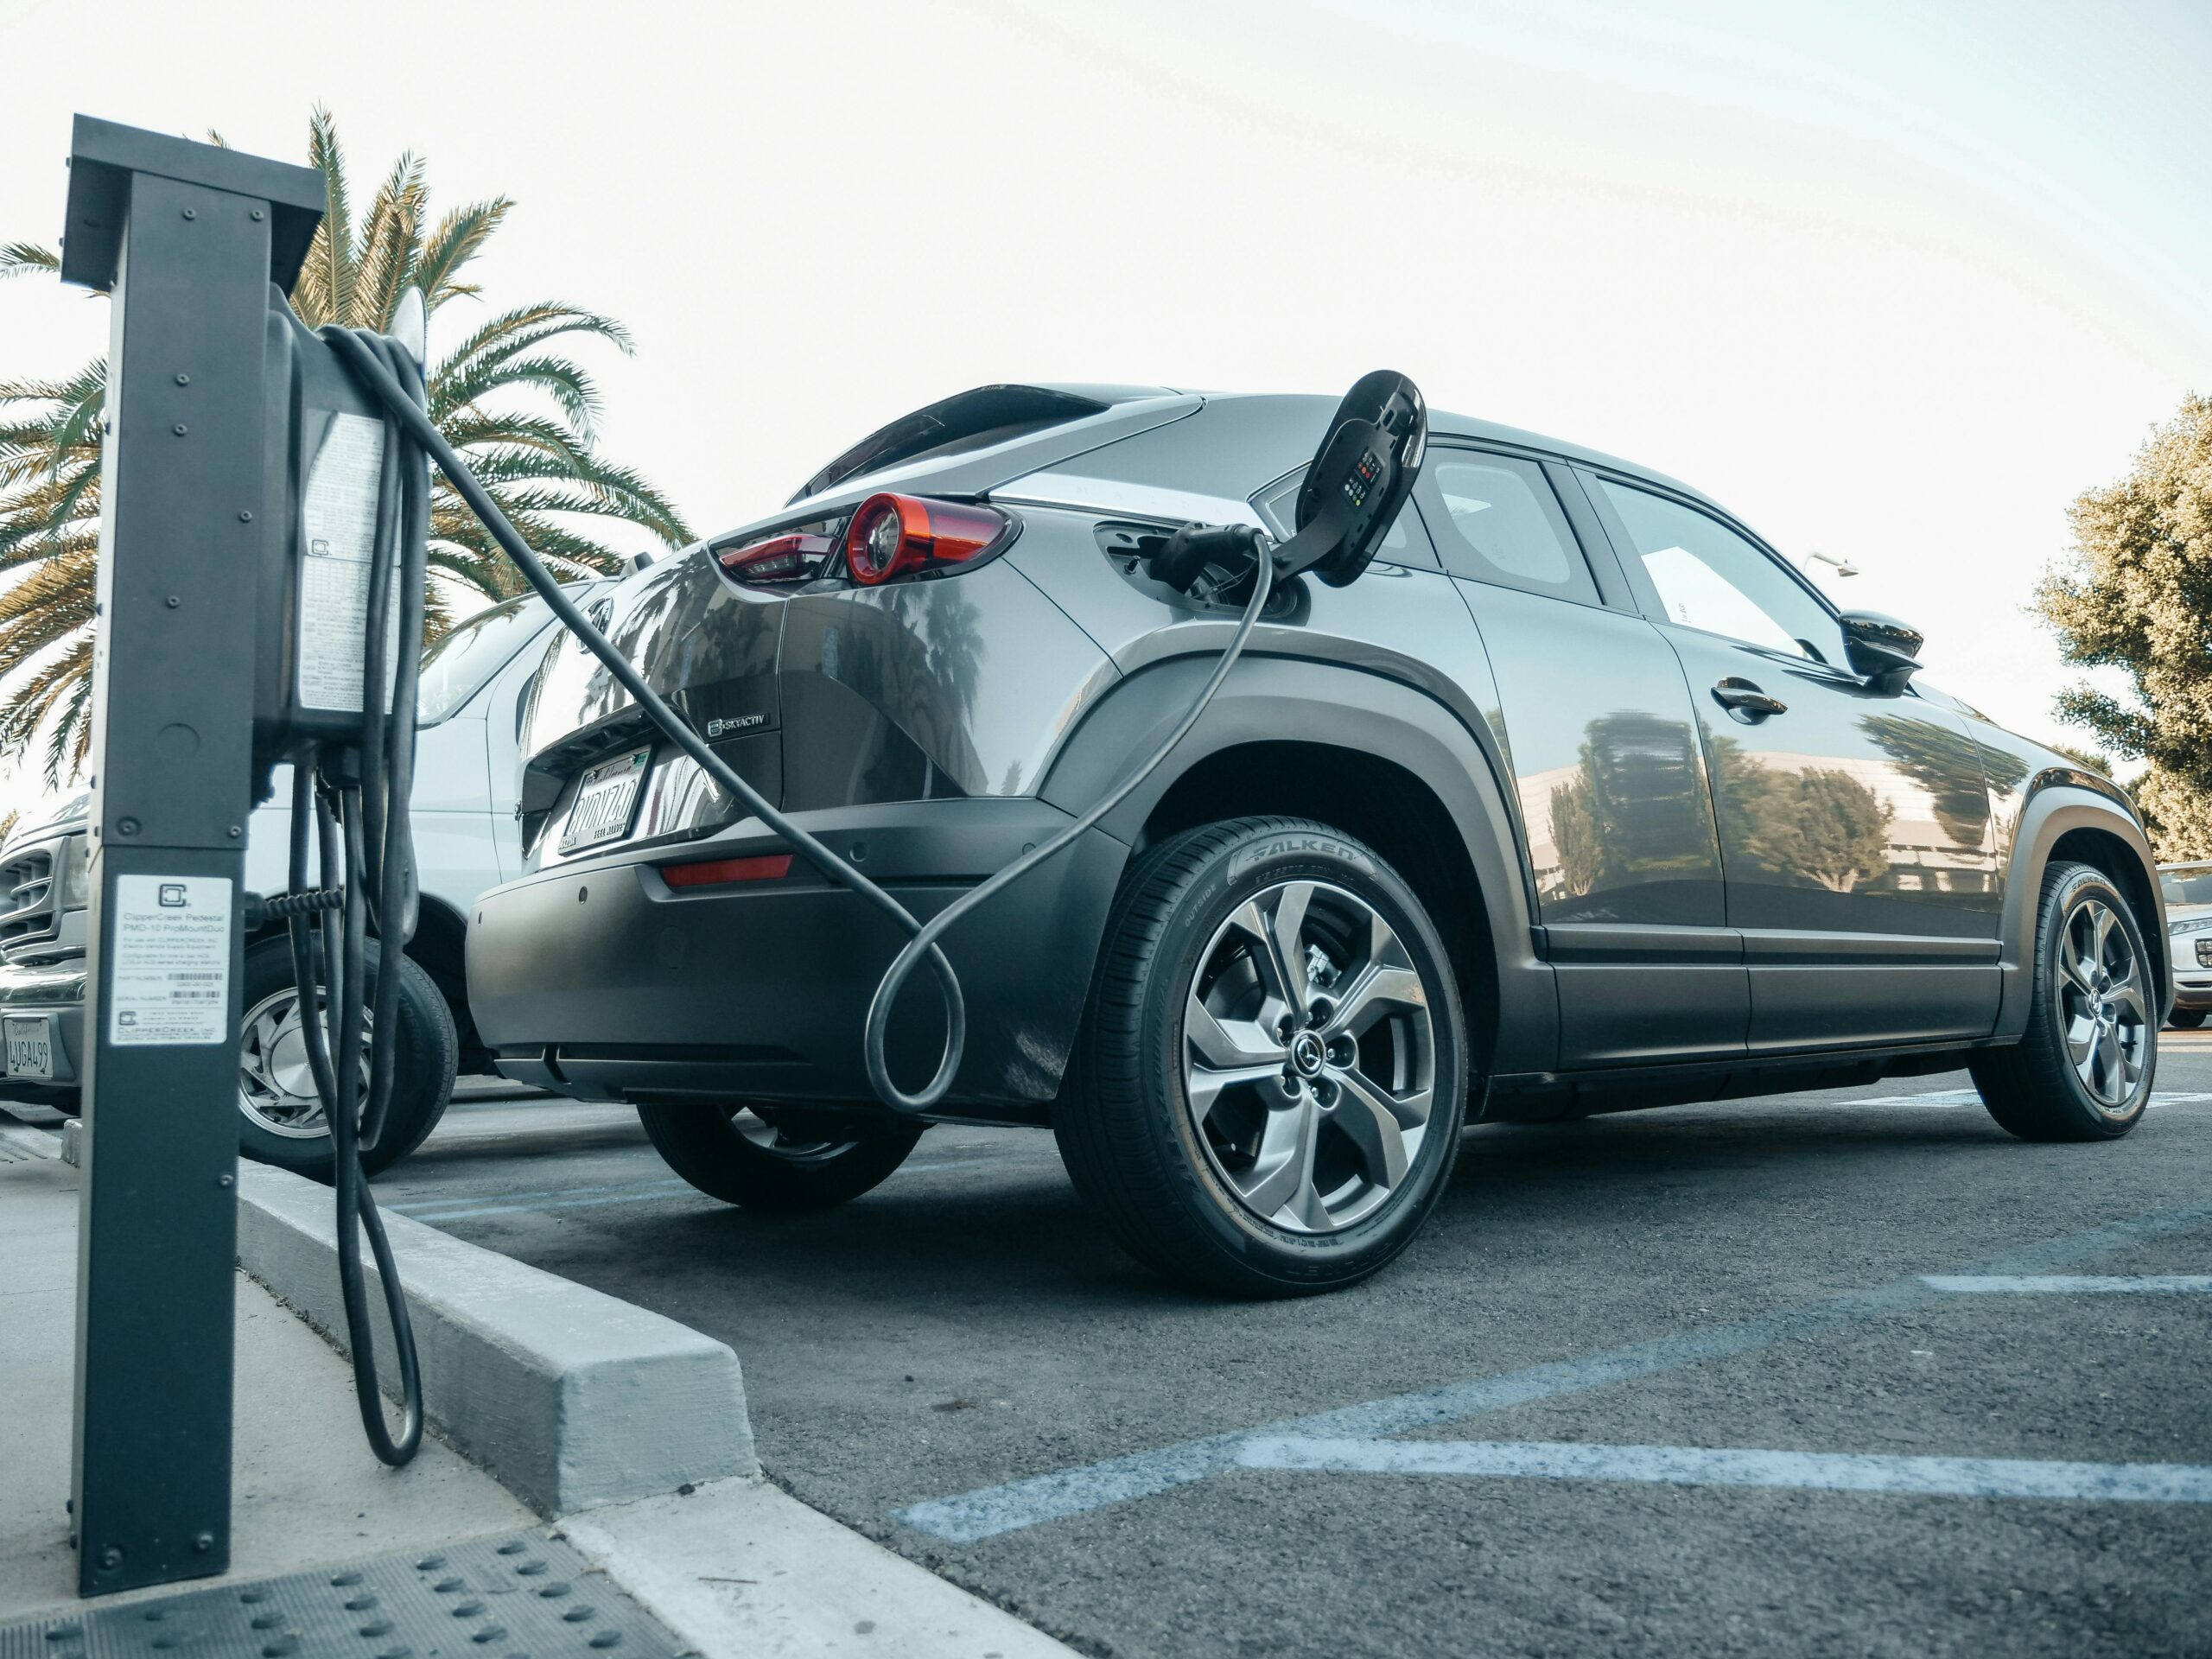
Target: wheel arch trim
1274 700
2061 803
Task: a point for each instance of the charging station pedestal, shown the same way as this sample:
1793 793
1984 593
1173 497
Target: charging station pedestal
187 237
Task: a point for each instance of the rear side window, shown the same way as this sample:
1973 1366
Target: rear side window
1277 506
1496 520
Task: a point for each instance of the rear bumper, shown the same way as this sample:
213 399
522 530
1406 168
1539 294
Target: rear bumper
56 989
599 980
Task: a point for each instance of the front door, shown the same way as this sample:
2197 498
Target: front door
1855 828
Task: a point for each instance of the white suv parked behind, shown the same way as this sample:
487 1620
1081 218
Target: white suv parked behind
474 680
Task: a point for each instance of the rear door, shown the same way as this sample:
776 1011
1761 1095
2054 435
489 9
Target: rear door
1855 828
1607 765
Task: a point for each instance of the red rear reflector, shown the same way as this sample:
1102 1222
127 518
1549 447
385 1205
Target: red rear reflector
793 556
904 535
768 866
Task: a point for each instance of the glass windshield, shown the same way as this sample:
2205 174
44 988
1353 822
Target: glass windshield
457 666
2189 887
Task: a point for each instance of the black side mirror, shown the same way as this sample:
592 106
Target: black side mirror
1883 650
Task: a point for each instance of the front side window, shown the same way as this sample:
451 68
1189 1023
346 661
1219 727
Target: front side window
1496 520
1708 577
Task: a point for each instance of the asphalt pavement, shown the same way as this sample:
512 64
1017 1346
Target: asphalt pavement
1840 1372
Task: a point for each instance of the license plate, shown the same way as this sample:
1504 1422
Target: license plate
30 1045
606 800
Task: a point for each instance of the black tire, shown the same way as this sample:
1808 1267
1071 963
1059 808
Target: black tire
2185 1018
779 1158
1165 1179
421 1084
2035 1088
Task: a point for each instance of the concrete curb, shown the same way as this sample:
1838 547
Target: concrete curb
569 1397
742 1568
29 1143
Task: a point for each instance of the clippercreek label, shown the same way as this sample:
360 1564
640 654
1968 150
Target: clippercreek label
172 979
339 521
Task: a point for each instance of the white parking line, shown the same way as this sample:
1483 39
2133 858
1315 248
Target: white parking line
1942 1099
655 1190
1952 1100
416 1206
1689 1465
969 1517
2059 1284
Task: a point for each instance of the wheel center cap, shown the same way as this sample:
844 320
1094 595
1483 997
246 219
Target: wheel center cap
1307 1055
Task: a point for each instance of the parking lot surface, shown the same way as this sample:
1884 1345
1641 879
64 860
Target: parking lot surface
1849 1372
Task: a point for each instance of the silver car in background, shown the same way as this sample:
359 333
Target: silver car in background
2188 891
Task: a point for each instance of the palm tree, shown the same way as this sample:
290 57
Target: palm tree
519 409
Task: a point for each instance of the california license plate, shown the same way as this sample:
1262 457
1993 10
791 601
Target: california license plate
30 1044
607 799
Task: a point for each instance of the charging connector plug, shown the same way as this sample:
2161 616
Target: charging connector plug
1183 558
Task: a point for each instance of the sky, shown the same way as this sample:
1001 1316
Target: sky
1895 282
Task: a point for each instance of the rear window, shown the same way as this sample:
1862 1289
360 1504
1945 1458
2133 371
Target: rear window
462 663
969 420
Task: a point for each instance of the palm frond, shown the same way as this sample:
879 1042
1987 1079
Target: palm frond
569 384
521 329
460 237
16 258
513 397
325 291
391 236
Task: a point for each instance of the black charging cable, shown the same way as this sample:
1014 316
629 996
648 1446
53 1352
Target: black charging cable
356 795
372 368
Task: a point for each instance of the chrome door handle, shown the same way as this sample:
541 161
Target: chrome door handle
1745 702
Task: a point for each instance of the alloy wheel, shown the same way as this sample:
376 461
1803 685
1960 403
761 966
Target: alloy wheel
276 1086
1309 1057
2101 1004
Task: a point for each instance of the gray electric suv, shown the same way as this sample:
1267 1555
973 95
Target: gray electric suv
1580 799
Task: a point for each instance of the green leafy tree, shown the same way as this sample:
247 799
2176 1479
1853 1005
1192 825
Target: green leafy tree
522 412
2137 595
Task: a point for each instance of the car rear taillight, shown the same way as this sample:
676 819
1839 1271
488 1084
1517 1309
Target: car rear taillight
896 536
793 556
722 872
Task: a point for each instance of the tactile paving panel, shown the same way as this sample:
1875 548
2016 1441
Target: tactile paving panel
521 1597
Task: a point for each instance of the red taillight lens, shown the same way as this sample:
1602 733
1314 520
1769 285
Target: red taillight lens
721 872
793 556
904 536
